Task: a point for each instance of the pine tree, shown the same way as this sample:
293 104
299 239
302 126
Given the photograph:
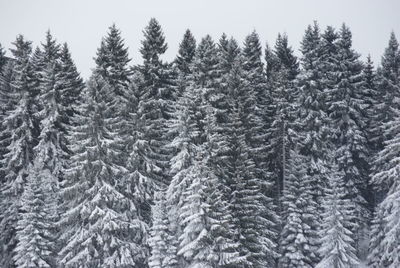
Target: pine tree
35 246
296 238
104 227
346 105
281 82
19 128
186 52
336 238
203 229
162 241
313 125
155 99
384 243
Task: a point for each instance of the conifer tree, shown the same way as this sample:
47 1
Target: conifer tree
104 227
296 238
19 128
388 86
162 242
195 196
186 52
155 99
35 246
384 243
336 237
346 105
284 69
313 123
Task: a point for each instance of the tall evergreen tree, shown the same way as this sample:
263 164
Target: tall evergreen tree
19 127
186 52
105 229
314 127
155 101
346 106
296 238
337 243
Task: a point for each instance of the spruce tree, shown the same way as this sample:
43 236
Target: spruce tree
313 124
346 106
384 243
162 241
104 227
296 238
19 127
283 71
186 52
336 237
388 86
155 99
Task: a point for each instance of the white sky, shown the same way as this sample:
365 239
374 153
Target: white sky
82 23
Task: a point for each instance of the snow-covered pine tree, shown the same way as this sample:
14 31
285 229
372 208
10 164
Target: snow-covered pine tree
19 129
296 238
6 101
105 230
162 241
387 107
156 98
254 220
199 214
384 246
71 84
112 65
336 237
345 107
36 239
283 70
186 52
313 126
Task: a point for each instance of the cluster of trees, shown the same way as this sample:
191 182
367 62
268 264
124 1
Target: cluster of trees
226 157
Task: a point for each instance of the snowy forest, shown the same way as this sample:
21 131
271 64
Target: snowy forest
235 154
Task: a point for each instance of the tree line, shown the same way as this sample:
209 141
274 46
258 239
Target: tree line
229 156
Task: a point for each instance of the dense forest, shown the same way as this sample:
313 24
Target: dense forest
233 155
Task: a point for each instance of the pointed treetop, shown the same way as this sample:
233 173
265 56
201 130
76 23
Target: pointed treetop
286 56
22 49
186 53
51 49
391 56
311 39
228 51
345 37
252 46
154 43
112 58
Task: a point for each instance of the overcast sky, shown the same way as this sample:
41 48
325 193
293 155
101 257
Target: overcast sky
82 23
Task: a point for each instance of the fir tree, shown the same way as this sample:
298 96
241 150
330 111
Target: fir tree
104 227
155 99
346 105
384 243
336 238
35 246
19 128
162 241
296 238
186 52
313 124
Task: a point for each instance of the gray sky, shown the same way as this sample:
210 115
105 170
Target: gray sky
82 23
